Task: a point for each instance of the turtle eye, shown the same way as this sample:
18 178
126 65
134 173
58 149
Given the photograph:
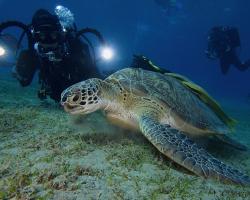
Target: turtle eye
65 97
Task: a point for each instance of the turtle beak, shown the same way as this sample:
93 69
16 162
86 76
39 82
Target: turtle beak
73 109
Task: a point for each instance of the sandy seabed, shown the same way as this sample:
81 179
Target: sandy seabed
47 154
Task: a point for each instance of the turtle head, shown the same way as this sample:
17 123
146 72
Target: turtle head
83 97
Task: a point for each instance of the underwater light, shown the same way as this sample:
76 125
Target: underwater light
2 51
107 53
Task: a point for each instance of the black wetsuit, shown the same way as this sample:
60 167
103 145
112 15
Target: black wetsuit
57 76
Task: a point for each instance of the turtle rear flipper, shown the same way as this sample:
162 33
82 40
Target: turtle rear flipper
178 147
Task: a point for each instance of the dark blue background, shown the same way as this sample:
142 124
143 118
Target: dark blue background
176 41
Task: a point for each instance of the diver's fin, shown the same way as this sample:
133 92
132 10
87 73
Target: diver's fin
231 142
177 146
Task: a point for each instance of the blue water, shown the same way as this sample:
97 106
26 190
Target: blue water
174 40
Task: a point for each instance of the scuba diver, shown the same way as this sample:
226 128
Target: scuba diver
56 49
222 44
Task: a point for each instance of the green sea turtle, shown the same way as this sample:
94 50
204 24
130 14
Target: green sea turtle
164 110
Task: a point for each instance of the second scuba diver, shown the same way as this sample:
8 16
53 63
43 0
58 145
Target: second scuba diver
223 42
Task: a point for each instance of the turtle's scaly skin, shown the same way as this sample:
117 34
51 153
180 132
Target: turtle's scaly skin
164 110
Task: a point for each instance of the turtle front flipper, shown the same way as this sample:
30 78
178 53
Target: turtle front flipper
178 147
